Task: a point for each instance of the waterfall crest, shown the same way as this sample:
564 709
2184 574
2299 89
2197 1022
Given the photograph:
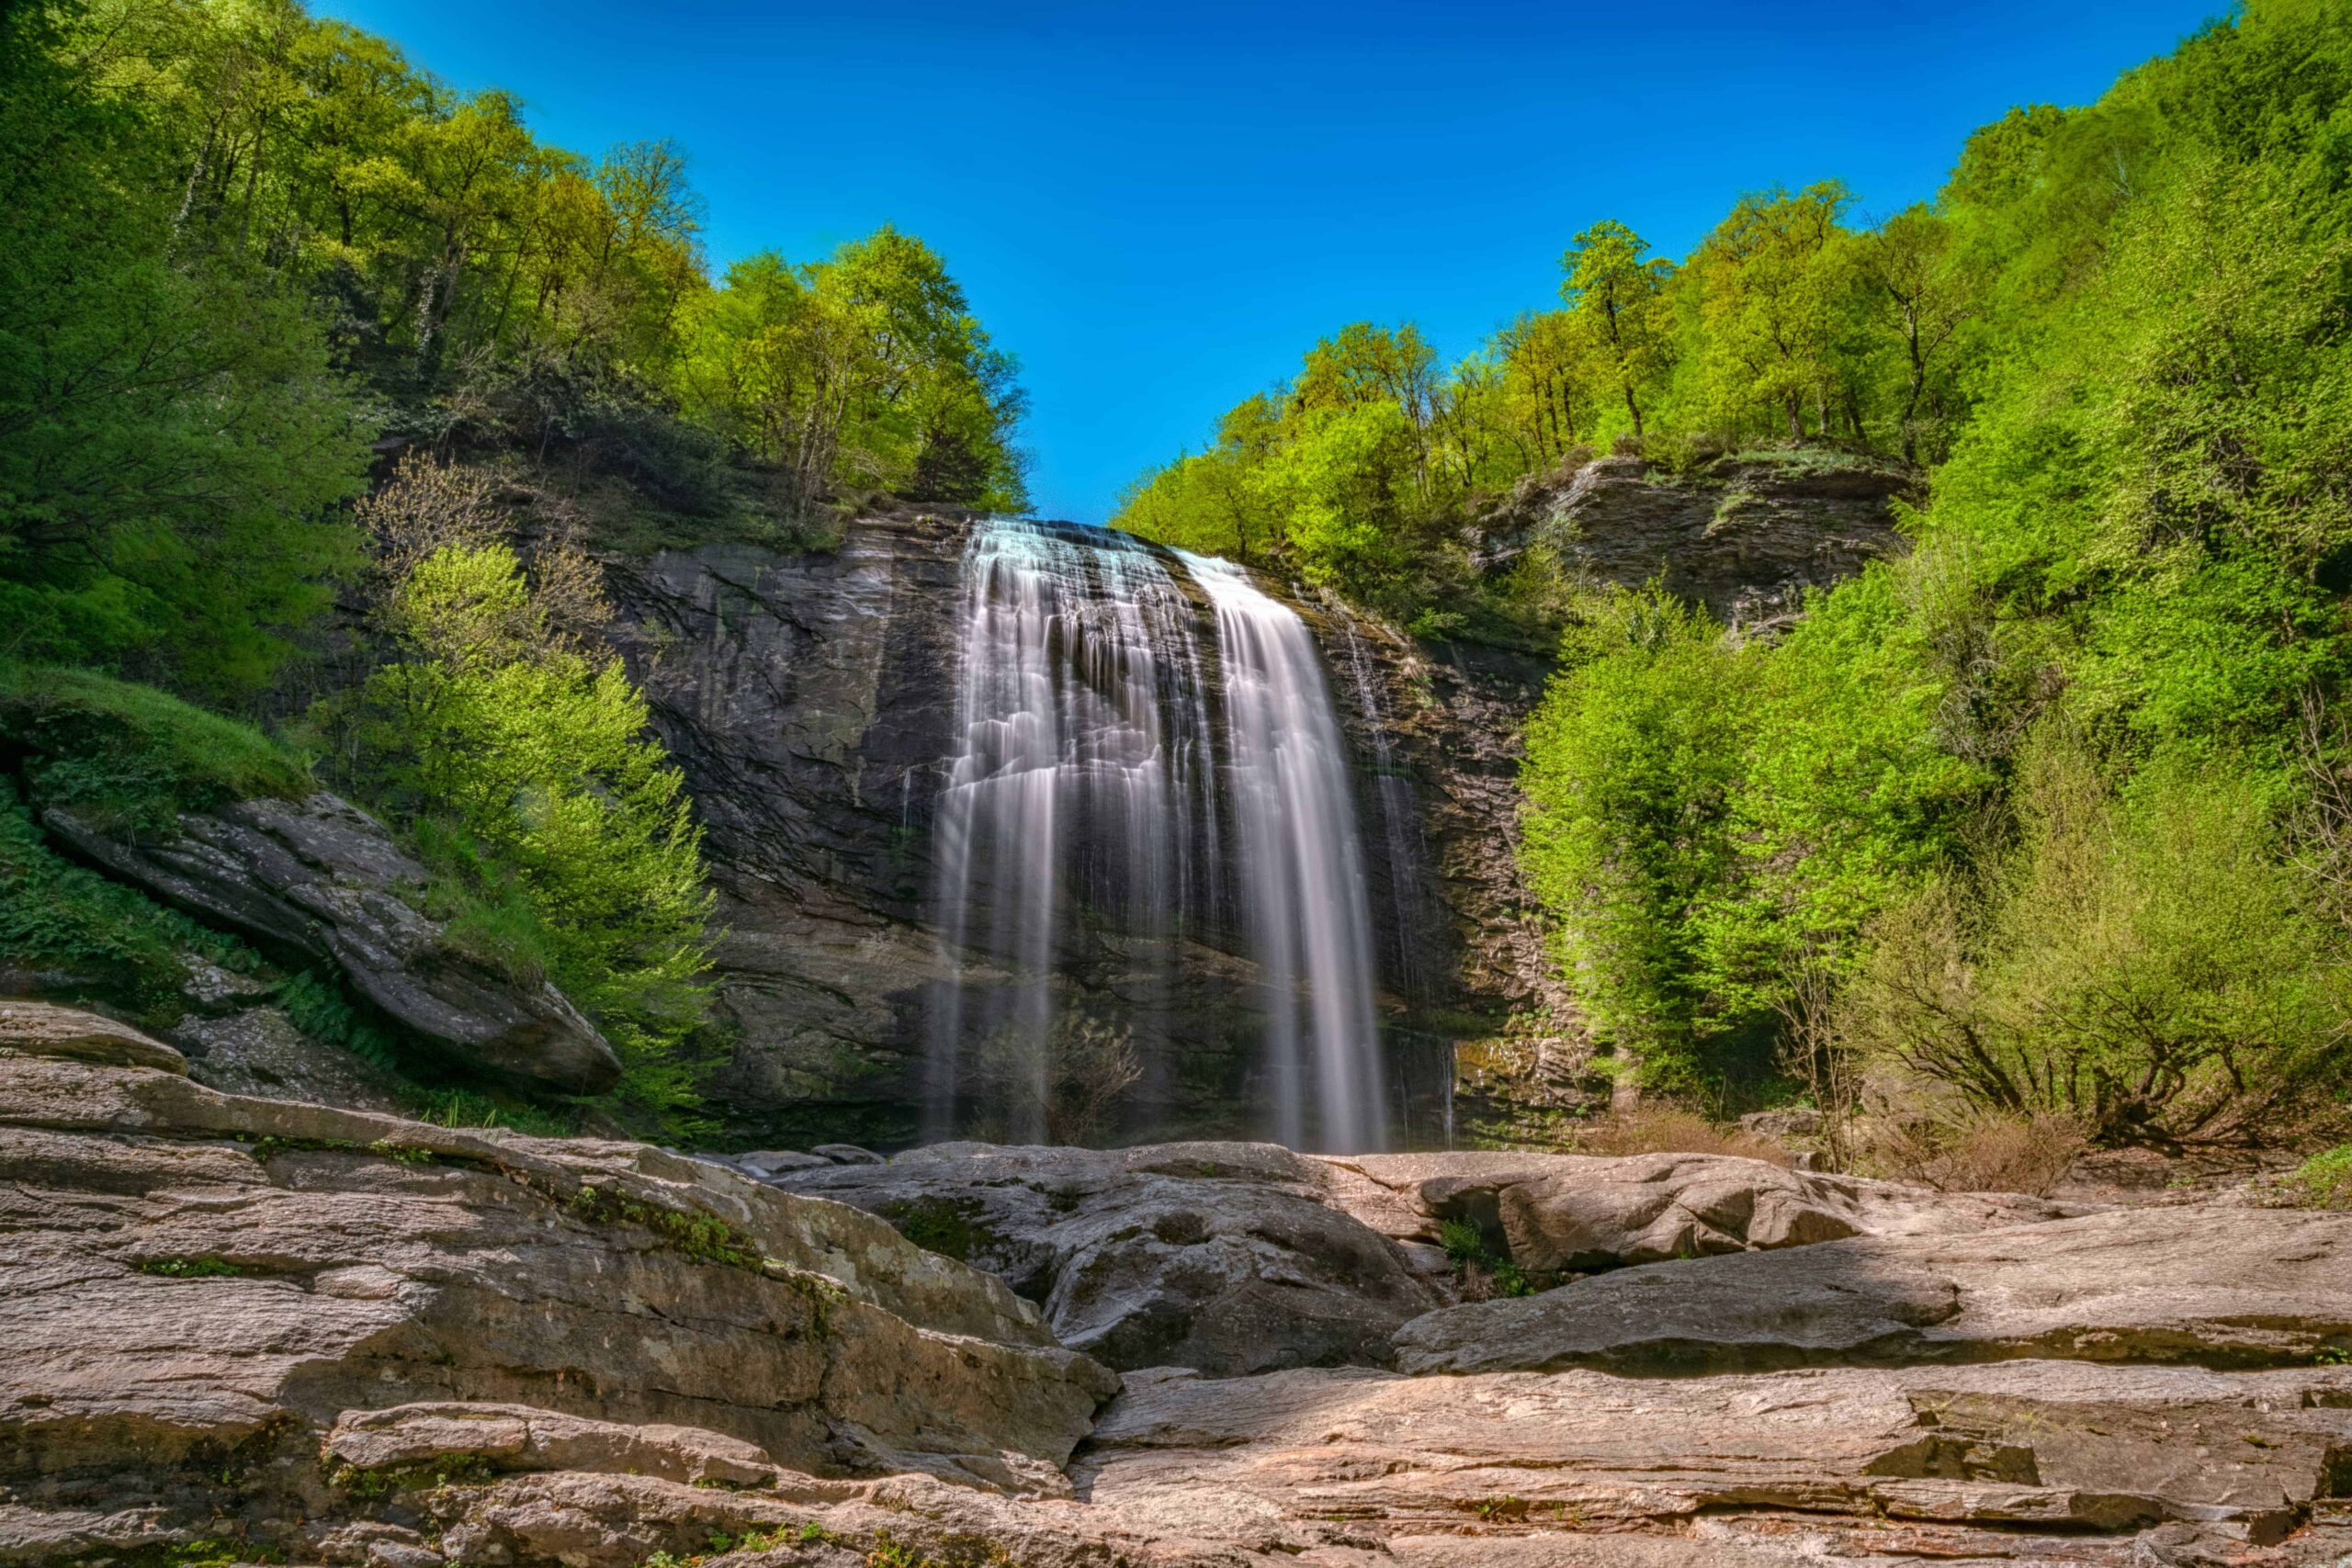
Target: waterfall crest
1150 777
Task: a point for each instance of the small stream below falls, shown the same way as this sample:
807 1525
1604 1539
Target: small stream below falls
1151 785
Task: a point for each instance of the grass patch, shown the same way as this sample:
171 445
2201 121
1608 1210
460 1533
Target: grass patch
129 756
946 1225
1482 1273
2325 1181
456 1107
704 1237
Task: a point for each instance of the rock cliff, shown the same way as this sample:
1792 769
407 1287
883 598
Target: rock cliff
810 698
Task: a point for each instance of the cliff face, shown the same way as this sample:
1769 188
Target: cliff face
1745 534
810 698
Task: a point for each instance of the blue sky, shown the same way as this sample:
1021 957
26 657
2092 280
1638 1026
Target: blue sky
1158 207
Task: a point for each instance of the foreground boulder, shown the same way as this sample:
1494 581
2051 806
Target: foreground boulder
194 1287
1225 1258
321 879
2211 1287
1586 1212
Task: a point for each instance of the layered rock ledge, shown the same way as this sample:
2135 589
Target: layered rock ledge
245 1329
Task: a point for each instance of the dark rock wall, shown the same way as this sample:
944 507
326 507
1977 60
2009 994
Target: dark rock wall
811 700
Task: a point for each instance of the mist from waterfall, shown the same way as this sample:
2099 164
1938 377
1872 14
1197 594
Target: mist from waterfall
1149 755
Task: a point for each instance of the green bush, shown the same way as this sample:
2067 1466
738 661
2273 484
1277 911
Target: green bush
2140 962
102 939
1631 766
2325 1181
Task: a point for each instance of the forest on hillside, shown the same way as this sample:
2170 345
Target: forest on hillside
2048 824
290 334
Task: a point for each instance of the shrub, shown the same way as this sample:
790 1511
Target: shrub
2141 965
1657 1129
560 835
1630 763
1982 1152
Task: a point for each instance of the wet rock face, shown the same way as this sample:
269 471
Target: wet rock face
811 701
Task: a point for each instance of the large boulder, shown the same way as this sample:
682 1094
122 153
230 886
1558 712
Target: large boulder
186 1275
1554 1213
2215 1287
321 879
1221 1257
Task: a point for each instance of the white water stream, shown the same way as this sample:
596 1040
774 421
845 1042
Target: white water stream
1130 765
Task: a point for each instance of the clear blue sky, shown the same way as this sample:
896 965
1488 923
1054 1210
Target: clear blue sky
1159 206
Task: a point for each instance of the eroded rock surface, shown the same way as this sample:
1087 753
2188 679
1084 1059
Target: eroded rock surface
321 879
1972 1464
264 1328
1222 1256
1556 1213
2212 1287
186 1275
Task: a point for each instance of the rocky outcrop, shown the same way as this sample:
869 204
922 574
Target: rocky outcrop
1745 534
320 879
259 1330
1222 1256
1555 1213
2210 1287
189 1278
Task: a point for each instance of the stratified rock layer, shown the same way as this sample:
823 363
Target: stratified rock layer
189 1274
261 1329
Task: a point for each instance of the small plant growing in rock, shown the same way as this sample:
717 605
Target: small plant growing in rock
191 1267
2325 1181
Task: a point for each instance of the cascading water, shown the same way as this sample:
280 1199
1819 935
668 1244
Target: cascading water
1085 755
1129 782
1306 910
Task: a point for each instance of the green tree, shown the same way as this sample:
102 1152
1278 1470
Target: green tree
1613 290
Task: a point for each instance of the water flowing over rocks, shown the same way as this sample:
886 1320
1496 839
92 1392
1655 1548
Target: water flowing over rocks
258 1329
846 757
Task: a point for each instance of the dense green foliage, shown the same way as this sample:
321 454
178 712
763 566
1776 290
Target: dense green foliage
1370 472
243 253
237 240
2051 812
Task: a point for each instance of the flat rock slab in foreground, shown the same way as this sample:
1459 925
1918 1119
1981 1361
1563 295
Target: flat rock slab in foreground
1963 1462
2208 1287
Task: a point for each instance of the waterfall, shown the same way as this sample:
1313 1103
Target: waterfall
1084 753
1148 774
1307 912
